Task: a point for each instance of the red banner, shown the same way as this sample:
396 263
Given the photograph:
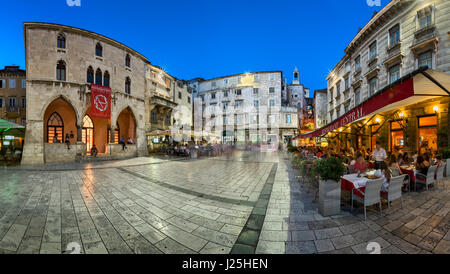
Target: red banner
100 101
397 93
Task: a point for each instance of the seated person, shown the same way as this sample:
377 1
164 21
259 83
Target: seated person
130 141
404 161
360 163
438 160
393 163
422 165
385 173
94 150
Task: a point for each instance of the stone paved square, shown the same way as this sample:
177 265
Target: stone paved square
142 206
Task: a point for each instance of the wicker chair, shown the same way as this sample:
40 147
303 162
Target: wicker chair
395 190
440 174
396 172
371 194
426 179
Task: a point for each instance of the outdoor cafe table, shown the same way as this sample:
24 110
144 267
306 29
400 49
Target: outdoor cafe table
350 181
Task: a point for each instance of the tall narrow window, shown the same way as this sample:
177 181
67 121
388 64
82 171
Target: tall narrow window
373 50
55 128
394 73
61 42
394 35
106 79
425 19
99 50
128 61
87 132
372 86
154 116
358 63
128 85
98 77
357 96
346 83
425 60
61 71
90 75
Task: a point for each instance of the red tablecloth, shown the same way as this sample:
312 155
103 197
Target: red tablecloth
410 172
348 186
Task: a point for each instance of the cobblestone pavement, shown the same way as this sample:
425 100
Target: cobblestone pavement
247 202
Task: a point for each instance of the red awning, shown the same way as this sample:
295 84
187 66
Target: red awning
411 89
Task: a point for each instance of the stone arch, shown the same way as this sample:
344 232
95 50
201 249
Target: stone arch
100 131
64 98
127 122
68 115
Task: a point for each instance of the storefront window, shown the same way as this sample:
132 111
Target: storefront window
427 133
397 136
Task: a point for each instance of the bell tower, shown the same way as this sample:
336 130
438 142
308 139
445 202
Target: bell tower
296 77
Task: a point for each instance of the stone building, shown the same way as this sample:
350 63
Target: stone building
242 109
62 62
296 95
12 95
168 106
398 66
320 104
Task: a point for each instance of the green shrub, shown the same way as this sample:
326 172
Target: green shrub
330 168
303 167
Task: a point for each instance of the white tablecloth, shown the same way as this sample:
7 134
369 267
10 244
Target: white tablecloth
357 182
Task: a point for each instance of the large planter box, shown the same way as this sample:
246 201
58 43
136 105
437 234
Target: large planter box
447 168
329 197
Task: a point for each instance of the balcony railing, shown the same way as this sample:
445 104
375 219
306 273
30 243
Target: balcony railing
12 109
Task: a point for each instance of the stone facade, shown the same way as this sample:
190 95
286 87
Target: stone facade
401 35
12 95
248 105
44 86
320 105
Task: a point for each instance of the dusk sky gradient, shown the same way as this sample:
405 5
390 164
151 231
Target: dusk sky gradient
206 38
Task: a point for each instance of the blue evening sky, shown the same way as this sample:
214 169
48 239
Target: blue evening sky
206 38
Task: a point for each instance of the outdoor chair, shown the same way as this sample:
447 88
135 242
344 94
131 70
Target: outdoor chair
396 172
371 194
426 179
394 191
440 174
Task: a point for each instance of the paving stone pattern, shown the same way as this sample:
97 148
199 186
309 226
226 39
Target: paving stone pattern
156 205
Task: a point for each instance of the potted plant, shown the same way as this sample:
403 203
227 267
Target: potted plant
330 171
445 154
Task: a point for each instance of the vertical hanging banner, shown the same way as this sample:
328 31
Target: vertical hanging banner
100 101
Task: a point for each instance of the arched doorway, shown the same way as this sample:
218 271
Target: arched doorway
99 131
127 124
87 132
55 128
59 120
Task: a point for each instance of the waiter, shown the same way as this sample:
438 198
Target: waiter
379 155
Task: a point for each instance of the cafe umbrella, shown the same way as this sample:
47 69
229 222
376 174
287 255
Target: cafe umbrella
10 128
